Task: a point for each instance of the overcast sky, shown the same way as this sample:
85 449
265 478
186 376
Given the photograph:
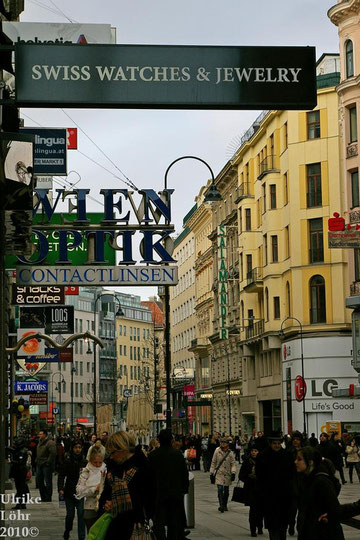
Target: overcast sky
143 143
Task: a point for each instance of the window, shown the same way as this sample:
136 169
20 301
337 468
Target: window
355 188
248 264
131 333
349 54
81 346
240 219
272 196
120 350
357 264
274 249
313 175
120 329
287 242
76 389
81 389
316 241
81 368
247 219
288 300
87 367
276 307
313 124
266 304
264 198
131 353
353 124
286 134
265 250
317 300
286 189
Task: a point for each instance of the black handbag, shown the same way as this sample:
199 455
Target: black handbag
238 494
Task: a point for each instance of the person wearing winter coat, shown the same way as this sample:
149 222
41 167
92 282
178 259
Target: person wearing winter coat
45 465
91 484
339 451
274 473
68 477
223 466
98 443
353 459
318 498
20 464
247 475
129 493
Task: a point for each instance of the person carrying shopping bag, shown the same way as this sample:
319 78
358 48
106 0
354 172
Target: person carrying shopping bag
223 467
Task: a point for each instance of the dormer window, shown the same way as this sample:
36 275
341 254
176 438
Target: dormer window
349 53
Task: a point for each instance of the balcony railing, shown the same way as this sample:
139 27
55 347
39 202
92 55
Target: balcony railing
267 165
254 276
355 288
254 329
243 192
316 255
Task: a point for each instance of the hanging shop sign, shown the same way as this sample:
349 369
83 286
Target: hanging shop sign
341 235
49 150
32 346
31 366
29 387
155 76
222 282
114 231
38 295
54 319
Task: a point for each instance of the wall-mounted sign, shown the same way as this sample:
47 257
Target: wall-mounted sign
31 366
102 275
222 283
189 390
300 388
38 399
72 291
156 76
57 33
56 355
341 235
38 295
71 138
54 319
29 387
49 150
32 346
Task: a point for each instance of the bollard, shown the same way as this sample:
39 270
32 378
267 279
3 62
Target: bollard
190 503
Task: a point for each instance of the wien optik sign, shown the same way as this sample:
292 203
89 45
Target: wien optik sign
151 220
154 76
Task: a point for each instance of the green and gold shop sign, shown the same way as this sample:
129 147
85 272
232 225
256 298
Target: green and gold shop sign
222 282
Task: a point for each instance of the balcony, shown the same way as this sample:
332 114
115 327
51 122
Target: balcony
254 280
243 192
254 330
351 150
316 255
355 288
267 165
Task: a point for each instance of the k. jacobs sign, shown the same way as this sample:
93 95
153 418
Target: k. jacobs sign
155 76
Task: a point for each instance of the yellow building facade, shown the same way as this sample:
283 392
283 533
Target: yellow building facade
289 186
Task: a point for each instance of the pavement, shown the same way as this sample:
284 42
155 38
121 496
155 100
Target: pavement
46 520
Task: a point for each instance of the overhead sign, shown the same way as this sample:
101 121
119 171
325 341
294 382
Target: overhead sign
156 76
37 295
29 387
102 275
32 346
54 355
49 150
54 319
58 33
31 366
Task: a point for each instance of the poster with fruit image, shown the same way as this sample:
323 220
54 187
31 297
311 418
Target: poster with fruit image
32 346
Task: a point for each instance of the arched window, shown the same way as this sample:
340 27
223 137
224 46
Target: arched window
266 304
349 54
288 301
317 300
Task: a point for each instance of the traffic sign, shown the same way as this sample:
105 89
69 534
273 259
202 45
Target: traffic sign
55 410
127 393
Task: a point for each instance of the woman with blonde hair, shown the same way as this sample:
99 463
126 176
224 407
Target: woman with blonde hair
153 444
129 490
90 485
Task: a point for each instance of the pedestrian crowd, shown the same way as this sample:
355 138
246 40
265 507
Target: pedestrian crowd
116 486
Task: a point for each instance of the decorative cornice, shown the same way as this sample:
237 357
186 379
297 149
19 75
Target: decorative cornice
343 10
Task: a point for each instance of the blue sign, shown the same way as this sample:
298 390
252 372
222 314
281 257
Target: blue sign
49 151
51 355
28 387
55 410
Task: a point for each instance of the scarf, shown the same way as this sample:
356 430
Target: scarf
120 495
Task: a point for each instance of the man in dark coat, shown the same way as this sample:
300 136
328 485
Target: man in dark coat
274 472
18 470
172 481
45 465
328 450
68 477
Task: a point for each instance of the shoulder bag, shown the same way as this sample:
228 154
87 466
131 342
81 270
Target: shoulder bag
212 476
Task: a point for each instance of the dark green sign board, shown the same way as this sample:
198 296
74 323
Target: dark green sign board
153 76
78 255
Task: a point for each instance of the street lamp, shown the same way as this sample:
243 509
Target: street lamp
302 364
212 194
52 395
119 313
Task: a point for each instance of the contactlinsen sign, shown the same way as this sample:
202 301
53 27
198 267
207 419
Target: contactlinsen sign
152 215
157 76
222 282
